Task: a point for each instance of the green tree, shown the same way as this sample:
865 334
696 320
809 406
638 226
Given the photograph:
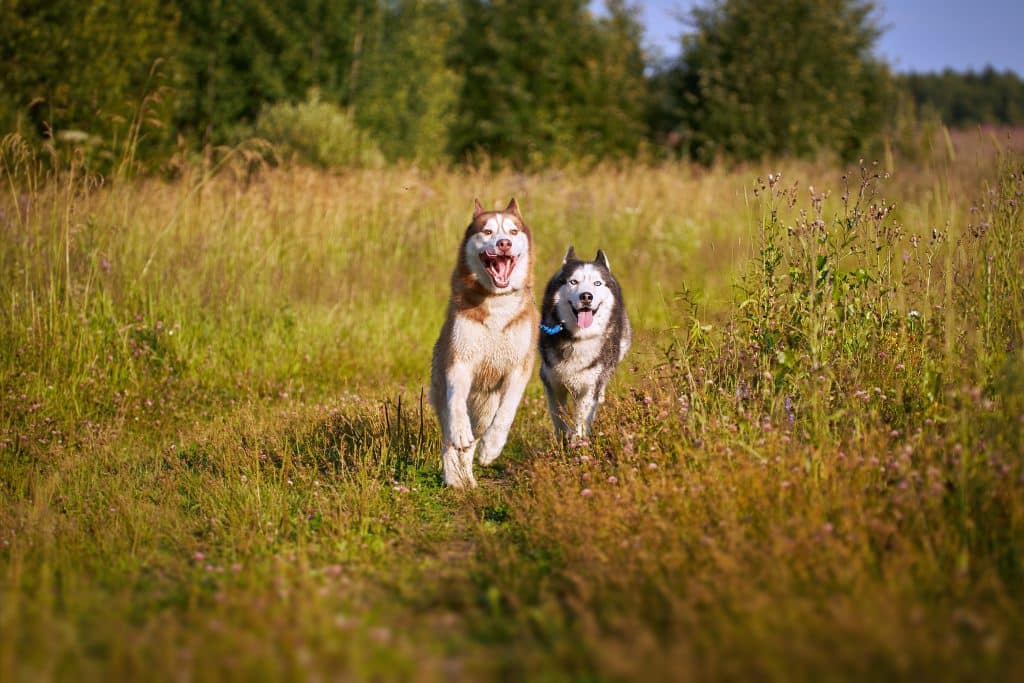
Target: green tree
614 93
964 99
775 77
237 55
546 80
86 73
406 91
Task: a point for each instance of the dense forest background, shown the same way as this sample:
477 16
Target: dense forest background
524 82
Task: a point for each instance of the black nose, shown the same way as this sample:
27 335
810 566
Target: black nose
586 298
504 244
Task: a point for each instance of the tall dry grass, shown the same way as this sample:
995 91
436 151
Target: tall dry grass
216 462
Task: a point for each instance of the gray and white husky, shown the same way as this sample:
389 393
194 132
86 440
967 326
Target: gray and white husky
584 333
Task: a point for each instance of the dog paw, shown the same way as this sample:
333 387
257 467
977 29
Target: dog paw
461 437
458 468
579 441
491 444
460 480
487 456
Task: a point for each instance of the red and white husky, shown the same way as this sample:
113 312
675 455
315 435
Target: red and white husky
484 356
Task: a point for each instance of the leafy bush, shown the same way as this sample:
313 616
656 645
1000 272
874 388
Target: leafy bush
318 132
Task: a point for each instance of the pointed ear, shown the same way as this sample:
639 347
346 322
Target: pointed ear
478 208
603 260
513 208
570 255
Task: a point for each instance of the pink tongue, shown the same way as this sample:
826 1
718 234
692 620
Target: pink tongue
502 268
584 318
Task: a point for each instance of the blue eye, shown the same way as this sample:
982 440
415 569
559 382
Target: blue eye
574 282
598 283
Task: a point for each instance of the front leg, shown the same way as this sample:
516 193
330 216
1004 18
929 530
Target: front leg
457 430
493 440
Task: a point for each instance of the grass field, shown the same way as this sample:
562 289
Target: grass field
215 460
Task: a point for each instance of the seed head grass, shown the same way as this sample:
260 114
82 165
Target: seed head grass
216 460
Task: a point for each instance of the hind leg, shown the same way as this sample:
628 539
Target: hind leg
482 412
458 467
586 410
558 405
458 462
494 438
450 396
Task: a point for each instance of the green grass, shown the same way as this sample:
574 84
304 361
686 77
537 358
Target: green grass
215 459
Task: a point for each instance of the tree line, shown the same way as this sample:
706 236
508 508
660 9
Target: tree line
971 98
516 81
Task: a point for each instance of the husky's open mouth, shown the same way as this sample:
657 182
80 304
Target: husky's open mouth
499 266
584 315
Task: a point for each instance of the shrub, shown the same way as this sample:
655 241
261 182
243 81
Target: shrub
318 132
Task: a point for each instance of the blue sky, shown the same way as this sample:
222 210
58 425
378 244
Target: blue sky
922 35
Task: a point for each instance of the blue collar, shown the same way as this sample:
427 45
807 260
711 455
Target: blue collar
551 330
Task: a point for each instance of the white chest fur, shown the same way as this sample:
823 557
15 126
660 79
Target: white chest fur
579 369
493 340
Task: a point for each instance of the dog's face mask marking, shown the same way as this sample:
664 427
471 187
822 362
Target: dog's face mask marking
584 299
497 251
